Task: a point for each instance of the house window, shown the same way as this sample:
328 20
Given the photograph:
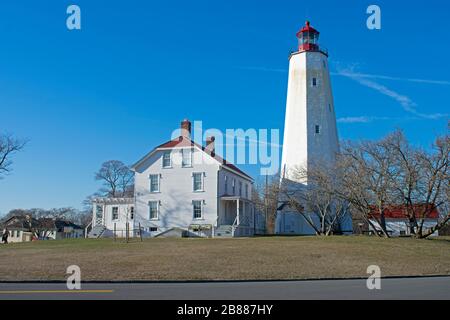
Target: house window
132 213
317 129
153 208
152 229
226 184
167 163
154 183
314 82
198 181
246 191
115 213
186 158
197 208
233 186
240 188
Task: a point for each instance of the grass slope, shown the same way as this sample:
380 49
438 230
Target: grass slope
224 259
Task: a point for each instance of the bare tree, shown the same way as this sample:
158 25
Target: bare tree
377 175
317 201
8 147
265 197
65 213
371 178
422 187
367 178
117 179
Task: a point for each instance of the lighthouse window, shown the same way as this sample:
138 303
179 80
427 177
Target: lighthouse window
329 107
314 82
324 64
317 129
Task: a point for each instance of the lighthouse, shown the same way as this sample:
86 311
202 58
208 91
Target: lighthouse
310 133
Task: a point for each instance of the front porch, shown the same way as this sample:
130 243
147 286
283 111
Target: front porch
236 217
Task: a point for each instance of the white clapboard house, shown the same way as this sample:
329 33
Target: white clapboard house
182 189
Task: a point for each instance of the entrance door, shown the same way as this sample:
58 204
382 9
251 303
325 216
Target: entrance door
230 212
99 215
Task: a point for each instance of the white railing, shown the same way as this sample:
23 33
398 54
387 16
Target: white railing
234 226
86 230
214 227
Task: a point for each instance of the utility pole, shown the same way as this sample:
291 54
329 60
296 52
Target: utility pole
127 226
265 205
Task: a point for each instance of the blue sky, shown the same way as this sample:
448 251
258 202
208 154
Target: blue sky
120 86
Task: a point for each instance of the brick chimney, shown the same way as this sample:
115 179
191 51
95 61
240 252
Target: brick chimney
210 145
186 128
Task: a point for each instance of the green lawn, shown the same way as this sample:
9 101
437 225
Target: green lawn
224 259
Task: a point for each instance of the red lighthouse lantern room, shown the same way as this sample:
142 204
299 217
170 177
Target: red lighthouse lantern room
308 38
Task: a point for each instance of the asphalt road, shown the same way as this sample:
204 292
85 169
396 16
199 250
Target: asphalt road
399 288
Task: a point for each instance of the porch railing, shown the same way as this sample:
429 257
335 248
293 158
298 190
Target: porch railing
234 226
87 229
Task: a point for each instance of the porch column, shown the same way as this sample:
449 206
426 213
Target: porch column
252 210
237 211
94 214
104 215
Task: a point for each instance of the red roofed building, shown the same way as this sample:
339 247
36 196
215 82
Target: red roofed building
400 212
398 218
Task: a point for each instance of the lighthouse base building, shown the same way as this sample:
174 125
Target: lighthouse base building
310 132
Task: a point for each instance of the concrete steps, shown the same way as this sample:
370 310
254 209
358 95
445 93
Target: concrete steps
224 231
96 232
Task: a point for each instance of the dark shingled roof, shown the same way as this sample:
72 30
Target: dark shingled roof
19 222
61 224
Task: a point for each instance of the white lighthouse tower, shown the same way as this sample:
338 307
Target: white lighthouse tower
310 134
